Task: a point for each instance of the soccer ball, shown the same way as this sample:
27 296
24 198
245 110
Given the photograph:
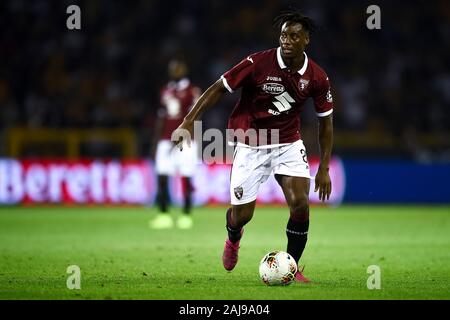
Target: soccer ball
277 268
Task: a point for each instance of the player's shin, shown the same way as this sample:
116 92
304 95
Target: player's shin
234 234
297 234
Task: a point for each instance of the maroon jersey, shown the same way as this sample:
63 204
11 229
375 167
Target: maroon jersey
177 98
272 97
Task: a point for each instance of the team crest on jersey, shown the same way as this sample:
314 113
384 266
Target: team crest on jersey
273 88
238 192
303 83
329 96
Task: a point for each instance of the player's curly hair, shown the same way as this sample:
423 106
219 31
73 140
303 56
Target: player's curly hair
295 17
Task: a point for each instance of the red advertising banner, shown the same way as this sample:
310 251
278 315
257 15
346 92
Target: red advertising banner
130 182
82 182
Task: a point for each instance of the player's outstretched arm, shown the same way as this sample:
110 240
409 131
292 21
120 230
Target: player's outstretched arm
323 181
209 98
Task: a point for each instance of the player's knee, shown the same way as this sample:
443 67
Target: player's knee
299 209
162 181
241 216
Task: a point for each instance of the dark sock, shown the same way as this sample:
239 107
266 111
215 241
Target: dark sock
162 201
297 234
163 194
187 205
234 235
187 189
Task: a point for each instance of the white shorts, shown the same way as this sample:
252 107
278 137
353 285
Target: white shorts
171 161
252 166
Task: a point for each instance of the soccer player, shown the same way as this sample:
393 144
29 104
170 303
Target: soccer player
275 84
177 97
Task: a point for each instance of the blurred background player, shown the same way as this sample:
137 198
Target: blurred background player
177 97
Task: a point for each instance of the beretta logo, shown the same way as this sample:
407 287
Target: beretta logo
273 88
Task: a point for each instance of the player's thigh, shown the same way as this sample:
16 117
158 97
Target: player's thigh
163 160
163 181
295 190
292 172
291 160
247 174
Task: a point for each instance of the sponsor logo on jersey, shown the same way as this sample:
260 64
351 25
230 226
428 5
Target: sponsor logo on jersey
303 83
273 88
269 78
275 113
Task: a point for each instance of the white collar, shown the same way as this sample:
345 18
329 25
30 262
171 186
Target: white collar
180 85
283 65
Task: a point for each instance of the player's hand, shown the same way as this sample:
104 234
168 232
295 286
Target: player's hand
323 183
183 134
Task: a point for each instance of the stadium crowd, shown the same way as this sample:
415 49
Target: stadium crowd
109 73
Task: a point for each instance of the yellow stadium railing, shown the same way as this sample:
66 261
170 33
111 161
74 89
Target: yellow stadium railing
19 138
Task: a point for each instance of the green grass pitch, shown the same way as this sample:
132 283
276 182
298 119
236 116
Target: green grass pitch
121 258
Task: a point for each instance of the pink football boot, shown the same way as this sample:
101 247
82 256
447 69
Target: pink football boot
299 277
230 254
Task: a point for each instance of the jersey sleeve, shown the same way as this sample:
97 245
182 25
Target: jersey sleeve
239 75
323 99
